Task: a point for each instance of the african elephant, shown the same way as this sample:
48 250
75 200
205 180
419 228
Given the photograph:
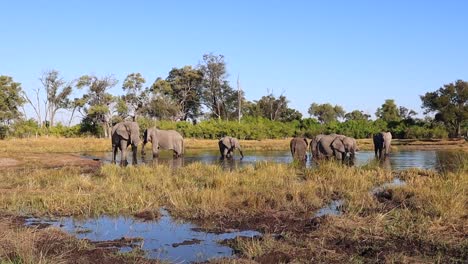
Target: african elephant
298 147
227 145
125 134
165 139
337 146
343 145
313 145
382 141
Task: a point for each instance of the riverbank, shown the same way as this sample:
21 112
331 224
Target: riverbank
53 144
421 221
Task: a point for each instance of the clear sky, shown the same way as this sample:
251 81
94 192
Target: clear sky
352 53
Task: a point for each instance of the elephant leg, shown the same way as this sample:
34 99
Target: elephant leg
123 152
226 153
114 153
134 152
156 154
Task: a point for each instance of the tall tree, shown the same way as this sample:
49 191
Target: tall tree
184 87
450 103
217 95
326 113
98 100
356 115
10 99
57 93
272 107
135 96
389 111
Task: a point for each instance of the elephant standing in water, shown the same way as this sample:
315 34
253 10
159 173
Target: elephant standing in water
125 134
382 144
337 146
313 145
298 147
165 139
227 145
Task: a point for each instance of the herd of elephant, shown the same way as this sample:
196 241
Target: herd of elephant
336 146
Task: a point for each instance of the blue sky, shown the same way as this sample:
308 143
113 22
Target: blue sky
352 53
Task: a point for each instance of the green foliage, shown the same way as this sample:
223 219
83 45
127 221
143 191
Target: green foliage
217 95
388 112
326 113
10 99
450 104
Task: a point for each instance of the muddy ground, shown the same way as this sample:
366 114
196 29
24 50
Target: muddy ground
335 235
56 246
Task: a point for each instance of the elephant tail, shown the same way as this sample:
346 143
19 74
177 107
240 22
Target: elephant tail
183 148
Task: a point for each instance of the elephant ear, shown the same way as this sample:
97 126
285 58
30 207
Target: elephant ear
227 142
337 144
122 131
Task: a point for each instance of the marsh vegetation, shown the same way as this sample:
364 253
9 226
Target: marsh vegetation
423 220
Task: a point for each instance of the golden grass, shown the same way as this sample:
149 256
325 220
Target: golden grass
424 221
54 144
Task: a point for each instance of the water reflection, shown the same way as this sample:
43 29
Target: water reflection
165 239
428 159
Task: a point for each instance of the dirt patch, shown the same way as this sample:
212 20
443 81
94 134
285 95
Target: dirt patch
187 242
8 162
148 215
274 223
49 160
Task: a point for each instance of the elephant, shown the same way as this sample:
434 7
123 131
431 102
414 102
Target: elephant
165 139
337 146
298 147
313 145
345 145
382 144
227 145
124 134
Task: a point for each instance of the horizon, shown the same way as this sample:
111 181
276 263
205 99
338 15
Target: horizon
310 52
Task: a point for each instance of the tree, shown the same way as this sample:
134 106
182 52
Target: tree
326 113
356 115
388 111
217 95
450 104
184 87
135 97
57 93
275 109
10 99
98 100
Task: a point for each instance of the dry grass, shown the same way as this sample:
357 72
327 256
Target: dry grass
424 221
54 144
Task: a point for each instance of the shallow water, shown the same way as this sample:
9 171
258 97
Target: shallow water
424 159
162 239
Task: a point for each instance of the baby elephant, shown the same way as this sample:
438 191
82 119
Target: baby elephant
298 147
227 145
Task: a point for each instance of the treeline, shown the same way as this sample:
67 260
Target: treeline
200 102
248 128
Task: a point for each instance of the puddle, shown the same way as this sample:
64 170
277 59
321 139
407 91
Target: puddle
333 208
395 183
165 239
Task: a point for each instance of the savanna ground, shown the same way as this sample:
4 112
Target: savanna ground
423 221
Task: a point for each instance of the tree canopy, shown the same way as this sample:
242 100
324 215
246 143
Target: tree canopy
10 99
326 113
450 105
